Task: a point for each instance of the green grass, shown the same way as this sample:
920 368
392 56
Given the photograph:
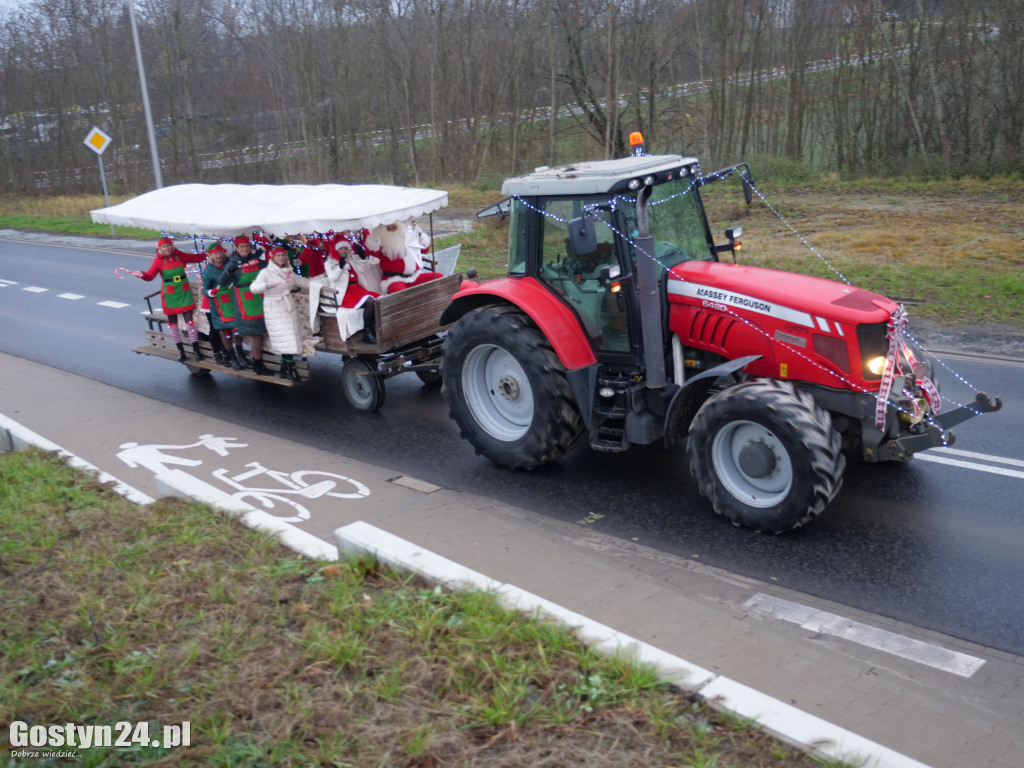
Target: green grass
63 214
173 613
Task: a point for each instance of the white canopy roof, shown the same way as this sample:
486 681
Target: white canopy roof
219 210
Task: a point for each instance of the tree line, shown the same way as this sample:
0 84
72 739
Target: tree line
434 92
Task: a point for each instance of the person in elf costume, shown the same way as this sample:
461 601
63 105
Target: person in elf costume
222 305
176 293
243 266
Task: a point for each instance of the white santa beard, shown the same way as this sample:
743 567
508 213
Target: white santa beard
393 243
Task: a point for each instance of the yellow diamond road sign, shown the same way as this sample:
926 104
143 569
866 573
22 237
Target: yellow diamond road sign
97 141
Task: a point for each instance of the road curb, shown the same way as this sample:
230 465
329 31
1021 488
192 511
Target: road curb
787 723
794 726
16 437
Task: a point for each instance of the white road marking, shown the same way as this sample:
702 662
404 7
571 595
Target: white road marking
973 465
976 455
114 304
35 289
826 623
72 296
5 283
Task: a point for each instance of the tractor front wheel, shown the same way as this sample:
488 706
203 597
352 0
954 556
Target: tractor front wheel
765 455
507 390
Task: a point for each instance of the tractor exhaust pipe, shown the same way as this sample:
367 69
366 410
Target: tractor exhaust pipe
647 293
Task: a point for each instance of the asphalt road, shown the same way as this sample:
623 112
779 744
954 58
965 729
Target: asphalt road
938 545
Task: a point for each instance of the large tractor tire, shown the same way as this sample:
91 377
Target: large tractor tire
765 455
507 390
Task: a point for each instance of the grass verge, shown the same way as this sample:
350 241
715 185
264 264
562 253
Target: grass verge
63 214
174 613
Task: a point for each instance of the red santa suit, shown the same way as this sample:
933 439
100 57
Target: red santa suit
346 272
401 252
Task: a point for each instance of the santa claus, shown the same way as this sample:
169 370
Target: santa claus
400 250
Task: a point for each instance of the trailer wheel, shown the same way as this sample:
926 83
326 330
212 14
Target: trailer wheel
507 390
195 370
363 388
765 455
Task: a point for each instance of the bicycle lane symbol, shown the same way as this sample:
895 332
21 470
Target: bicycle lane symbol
282 487
296 484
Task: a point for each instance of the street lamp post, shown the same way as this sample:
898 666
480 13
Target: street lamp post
145 98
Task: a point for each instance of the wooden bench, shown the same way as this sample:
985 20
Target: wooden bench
159 344
401 318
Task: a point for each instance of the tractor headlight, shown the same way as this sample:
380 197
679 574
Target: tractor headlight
876 365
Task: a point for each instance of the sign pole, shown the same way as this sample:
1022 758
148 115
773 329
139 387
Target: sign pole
106 199
98 141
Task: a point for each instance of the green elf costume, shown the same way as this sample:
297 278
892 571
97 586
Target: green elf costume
243 265
221 306
176 293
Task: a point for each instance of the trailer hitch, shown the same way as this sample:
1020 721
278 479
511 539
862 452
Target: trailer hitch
982 404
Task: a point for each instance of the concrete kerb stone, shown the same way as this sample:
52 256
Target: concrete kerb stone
792 725
181 484
360 538
797 727
16 437
784 721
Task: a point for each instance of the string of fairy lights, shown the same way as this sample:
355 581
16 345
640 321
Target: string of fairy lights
895 334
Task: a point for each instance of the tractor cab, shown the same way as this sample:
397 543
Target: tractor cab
573 228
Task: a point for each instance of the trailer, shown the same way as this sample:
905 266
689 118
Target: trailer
408 329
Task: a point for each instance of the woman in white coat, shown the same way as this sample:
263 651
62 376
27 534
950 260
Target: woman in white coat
277 282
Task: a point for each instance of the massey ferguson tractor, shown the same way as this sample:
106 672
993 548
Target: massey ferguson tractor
619 325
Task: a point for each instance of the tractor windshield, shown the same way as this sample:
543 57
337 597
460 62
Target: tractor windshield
677 223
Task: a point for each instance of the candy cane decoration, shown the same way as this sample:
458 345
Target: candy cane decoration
121 269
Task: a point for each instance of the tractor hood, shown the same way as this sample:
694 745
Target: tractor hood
806 301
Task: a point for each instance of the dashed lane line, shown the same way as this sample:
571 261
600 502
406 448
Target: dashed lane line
1002 471
982 456
69 296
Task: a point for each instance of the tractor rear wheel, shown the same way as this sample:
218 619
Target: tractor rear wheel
507 390
765 455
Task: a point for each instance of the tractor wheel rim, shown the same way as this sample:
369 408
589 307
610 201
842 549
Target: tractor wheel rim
752 463
498 392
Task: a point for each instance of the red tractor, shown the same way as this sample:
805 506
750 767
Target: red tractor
619 324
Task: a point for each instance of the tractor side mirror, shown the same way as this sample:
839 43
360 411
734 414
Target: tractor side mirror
748 185
582 236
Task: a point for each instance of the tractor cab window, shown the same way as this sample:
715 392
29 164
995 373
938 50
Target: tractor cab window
677 224
518 247
577 242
